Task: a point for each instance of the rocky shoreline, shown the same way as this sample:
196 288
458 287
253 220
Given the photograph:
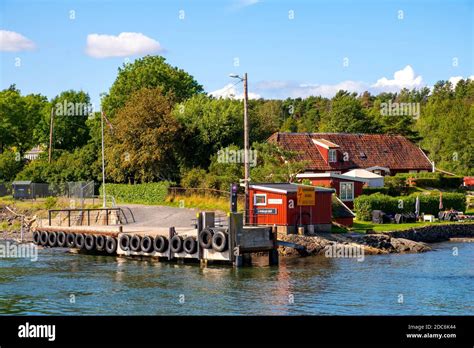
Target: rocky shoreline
414 240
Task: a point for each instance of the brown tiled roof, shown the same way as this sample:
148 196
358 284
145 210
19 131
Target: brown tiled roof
391 151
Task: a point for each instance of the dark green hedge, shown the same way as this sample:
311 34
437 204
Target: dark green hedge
435 180
372 190
429 204
149 193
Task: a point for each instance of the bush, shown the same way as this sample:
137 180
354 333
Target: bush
436 180
396 185
429 204
148 193
194 178
50 202
372 190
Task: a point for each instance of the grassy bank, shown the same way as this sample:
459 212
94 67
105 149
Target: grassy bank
362 226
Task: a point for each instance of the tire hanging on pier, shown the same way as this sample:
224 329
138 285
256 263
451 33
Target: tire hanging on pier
100 242
190 245
205 238
176 244
219 241
89 242
111 245
44 238
124 242
70 240
36 237
61 239
52 239
146 244
160 244
135 243
80 241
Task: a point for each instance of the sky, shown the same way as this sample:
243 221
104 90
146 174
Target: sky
288 48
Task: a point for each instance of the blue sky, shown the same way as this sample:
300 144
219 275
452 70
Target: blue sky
324 46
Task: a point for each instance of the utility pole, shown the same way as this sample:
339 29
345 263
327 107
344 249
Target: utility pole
104 200
51 135
246 149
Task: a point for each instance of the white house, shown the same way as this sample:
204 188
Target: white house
372 179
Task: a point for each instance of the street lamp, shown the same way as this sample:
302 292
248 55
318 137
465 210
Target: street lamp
246 142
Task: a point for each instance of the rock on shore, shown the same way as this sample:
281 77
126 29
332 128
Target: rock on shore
371 244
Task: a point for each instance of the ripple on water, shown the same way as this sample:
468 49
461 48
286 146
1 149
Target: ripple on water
431 283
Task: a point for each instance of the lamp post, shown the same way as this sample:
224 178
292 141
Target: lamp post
246 143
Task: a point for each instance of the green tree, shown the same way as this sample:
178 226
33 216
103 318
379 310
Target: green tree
149 72
10 165
347 115
19 116
142 145
71 111
209 124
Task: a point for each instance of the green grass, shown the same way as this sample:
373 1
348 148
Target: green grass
362 226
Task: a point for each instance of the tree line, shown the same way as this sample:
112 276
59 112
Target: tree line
161 125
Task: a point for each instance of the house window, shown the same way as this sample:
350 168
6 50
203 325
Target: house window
346 191
260 199
332 156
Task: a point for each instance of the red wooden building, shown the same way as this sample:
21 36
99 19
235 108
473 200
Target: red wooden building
347 187
278 204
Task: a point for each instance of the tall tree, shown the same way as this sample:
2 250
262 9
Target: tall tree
149 72
19 117
141 146
347 115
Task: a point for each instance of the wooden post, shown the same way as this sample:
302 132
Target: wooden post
49 217
273 257
51 134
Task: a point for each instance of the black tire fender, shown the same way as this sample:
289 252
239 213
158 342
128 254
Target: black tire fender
160 244
146 244
80 241
44 238
52 239
111 245
176 244
190 245
135 242
100 242
70 240
61 239
124 242
219 241
89 242
36 237
205 238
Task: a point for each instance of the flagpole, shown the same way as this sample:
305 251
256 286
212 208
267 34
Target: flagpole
104 203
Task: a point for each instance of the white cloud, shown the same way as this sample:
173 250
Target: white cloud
455 79
229 91
123 45
243 3
326 90
14 42
404 78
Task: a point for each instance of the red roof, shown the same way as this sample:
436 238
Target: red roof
361 151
